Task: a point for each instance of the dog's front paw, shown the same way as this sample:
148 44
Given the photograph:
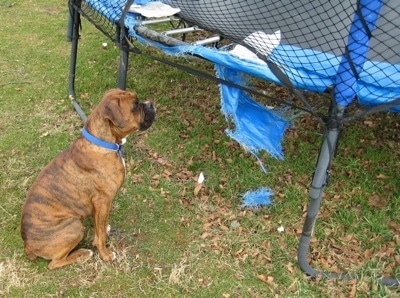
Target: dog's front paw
108 255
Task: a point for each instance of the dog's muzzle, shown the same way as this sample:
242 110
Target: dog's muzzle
149 115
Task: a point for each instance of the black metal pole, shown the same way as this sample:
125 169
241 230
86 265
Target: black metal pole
123 57
73 37
319 181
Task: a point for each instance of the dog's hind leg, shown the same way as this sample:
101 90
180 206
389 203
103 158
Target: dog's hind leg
64 243
77 256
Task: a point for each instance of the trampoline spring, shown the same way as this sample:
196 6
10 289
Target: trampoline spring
207 41
182 30
158 21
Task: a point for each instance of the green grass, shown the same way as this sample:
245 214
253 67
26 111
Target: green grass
170 242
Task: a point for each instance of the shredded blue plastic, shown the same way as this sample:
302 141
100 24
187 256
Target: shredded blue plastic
257 128
258 198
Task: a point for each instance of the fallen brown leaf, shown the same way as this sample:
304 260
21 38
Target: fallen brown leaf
376 201
266 278
382 176
197 189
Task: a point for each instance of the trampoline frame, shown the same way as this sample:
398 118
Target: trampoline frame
333 126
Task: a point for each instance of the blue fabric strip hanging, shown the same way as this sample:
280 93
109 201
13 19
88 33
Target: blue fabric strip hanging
256 127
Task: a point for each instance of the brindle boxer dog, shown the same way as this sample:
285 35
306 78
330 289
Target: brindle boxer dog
81 182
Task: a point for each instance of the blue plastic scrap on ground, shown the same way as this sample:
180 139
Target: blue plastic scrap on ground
258 198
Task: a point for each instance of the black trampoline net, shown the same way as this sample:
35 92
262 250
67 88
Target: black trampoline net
322 25
100 21
352 45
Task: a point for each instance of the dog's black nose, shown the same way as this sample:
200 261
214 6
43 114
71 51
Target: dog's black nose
149 115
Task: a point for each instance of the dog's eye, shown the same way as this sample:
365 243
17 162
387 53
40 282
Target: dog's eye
135 105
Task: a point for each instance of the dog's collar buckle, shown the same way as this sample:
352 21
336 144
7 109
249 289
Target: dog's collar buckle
107 145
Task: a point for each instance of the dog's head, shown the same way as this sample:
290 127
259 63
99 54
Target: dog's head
125 113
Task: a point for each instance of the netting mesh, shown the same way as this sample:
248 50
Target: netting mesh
309 24
354 44
322 25
98 15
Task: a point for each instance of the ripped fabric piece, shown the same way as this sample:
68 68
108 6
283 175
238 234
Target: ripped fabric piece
256 128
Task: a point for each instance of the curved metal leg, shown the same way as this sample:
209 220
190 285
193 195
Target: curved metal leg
320 180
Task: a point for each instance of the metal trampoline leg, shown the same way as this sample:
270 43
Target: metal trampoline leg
319 181
123 60
73 37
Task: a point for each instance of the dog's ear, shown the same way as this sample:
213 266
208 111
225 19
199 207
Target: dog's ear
112 107
113 113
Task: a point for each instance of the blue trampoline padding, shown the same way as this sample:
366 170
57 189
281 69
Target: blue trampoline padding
357 50
307 69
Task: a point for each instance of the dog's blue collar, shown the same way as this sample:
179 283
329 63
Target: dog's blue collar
107 145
